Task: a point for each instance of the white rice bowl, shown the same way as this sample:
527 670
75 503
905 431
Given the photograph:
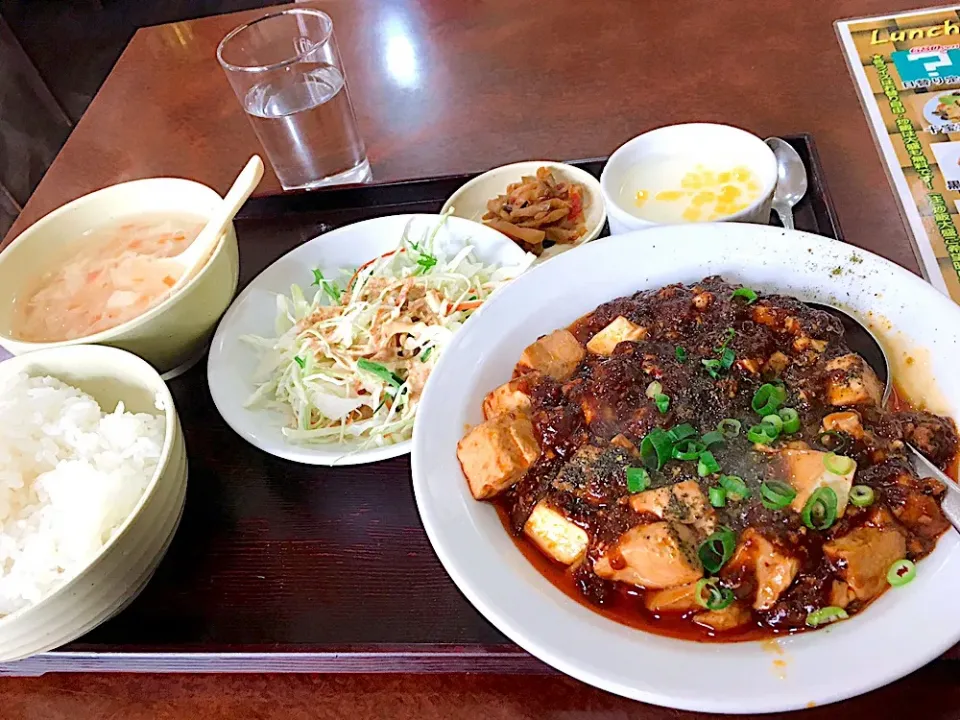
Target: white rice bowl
70 475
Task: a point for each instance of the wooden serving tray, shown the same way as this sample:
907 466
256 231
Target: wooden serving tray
280 567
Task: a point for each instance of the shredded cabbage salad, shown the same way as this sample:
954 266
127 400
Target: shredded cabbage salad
350 363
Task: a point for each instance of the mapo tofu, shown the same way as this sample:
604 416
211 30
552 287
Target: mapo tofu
709 462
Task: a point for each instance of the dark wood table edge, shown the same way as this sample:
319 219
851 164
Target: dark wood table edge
498 659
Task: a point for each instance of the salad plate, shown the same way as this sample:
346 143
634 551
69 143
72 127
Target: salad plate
320 359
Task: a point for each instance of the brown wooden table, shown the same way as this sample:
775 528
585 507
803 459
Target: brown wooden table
444 87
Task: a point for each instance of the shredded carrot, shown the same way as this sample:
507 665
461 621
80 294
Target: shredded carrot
469 305
169 281
368 264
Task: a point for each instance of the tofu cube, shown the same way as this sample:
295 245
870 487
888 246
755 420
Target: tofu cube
806 472
620 330
496 453
730 618
683 503
864 556
772 570
556 355
682 598
509 397
655 556
850 381
556 536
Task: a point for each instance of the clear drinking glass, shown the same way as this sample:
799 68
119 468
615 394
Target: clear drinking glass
287 73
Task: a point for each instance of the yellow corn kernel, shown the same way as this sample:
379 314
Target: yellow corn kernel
713 216
669 195
691 214
753 187
703 197
741 173
709 177
690 181
641 198
729 192
724 209
737 208
724 177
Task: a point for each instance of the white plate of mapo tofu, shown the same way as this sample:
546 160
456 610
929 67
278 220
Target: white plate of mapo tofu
612 463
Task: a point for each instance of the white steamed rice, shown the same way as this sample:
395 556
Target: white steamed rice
69 476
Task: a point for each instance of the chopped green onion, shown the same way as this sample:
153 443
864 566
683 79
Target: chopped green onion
901 572
776 494
729 427
791 420
712 366
718 496
713 437
300 361
735 486
838 464
380 371
761 434
707 464
425 355
826 615
688 449
728 336
330 289
711 595
861 495
679 432
774 421
716 549
426 261
746 293
768 398
662 402
681 353
638 479
833 436
726 359
656 448
654 389
821 509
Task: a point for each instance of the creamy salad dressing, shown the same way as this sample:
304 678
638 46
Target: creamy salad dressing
111 274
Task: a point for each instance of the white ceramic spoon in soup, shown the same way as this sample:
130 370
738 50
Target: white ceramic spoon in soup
191 259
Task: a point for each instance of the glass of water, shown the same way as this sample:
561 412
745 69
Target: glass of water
287 73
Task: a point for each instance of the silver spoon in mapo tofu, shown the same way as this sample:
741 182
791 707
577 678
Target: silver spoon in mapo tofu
711 463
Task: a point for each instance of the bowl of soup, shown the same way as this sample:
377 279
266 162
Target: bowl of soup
100 270
696 172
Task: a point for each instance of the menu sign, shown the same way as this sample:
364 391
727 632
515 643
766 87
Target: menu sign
907 69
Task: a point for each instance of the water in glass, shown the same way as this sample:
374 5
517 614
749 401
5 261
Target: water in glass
306 124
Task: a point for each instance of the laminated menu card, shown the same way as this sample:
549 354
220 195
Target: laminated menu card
907 70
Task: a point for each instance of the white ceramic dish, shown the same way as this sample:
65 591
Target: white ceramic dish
470 201
710 143
232 362
898 633
172 335
117 574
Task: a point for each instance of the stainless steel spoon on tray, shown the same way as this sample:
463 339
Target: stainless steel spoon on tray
865 343
791 180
